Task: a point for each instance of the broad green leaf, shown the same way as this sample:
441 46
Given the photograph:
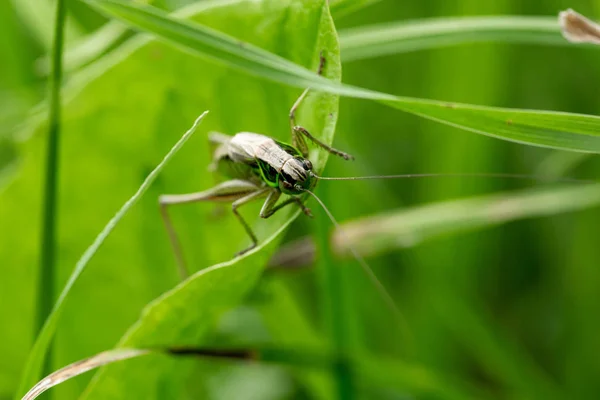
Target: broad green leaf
164 88
566 131
170 320
406 36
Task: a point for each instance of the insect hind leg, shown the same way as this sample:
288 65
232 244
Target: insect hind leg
233 190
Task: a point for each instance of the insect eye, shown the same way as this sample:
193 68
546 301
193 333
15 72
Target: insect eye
308 165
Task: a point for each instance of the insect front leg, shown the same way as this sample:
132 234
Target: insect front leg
269 208
303 132
298 140
299 133
233 190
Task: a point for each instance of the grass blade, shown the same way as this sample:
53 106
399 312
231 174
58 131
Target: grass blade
37 355
406 36
375 40
46 280
80 367
380 234
567 131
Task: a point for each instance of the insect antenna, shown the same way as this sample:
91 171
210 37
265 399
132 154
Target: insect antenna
455 175
389 301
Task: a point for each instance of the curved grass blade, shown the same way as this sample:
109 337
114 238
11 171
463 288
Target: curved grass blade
392 374
371 41
567 131
406 36
380 234
39 350
80 367
312 359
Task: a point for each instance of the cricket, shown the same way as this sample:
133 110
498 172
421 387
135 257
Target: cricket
258 167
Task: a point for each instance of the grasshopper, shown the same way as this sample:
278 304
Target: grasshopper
258 167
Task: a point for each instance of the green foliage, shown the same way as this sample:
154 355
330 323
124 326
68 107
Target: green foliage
495 314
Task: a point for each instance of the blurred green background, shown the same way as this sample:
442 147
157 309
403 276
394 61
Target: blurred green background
509 311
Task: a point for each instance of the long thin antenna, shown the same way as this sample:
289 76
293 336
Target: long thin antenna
454 175
366 268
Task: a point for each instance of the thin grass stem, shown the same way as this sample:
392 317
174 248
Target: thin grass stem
46 277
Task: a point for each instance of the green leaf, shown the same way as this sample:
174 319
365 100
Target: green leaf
406 36
575 132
